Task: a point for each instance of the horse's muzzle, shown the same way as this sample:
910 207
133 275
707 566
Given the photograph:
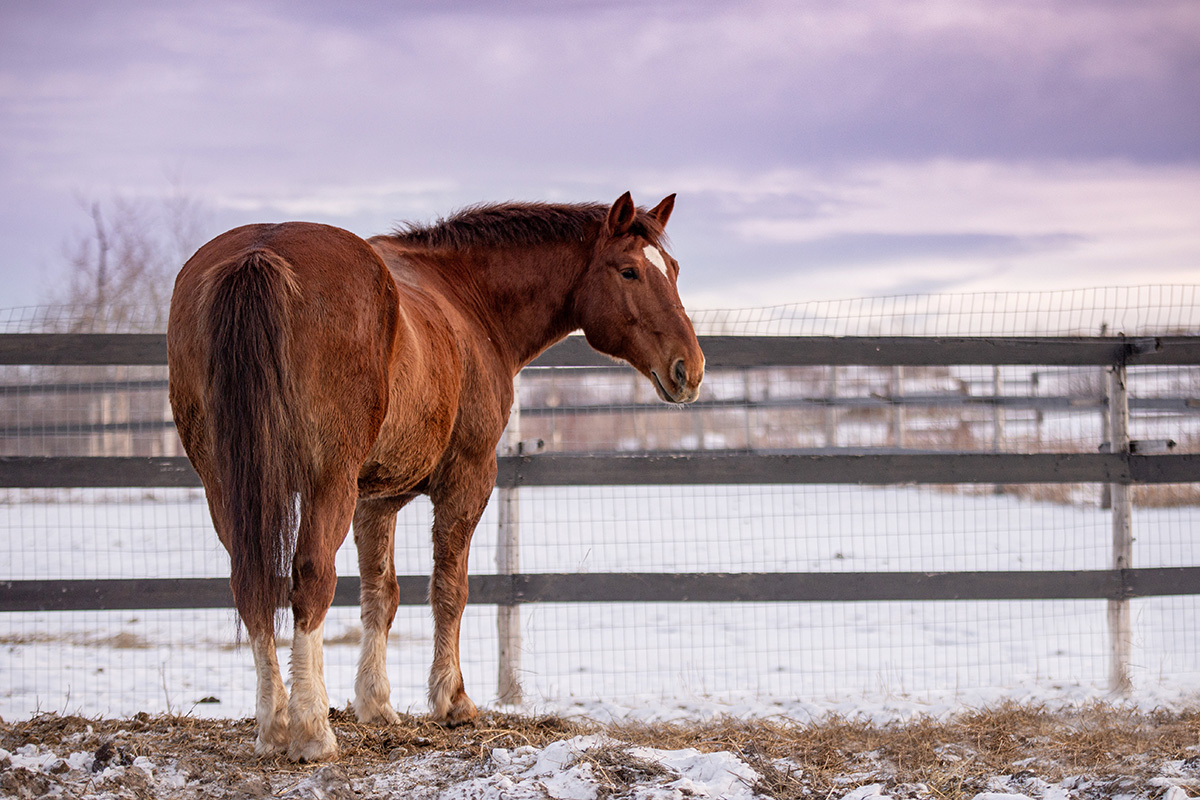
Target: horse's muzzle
682 385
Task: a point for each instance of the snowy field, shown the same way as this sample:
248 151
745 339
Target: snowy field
654 661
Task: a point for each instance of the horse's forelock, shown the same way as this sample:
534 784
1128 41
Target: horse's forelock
649 229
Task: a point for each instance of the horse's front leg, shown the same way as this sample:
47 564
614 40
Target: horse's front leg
325 521
374 537
455 517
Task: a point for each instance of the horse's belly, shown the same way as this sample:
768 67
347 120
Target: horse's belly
383 480
402 459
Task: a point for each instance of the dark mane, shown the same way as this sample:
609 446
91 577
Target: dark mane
520 225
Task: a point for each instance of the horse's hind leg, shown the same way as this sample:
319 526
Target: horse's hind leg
456 514
325 520
271 697
271 705
375 536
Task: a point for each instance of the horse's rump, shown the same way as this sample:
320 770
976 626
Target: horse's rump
279 345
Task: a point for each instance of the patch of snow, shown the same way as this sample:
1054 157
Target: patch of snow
864 792
721 775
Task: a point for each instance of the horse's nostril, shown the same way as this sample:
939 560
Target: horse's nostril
679 371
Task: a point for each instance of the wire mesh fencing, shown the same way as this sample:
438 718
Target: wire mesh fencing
744 654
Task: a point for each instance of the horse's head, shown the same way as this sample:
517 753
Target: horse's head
629 307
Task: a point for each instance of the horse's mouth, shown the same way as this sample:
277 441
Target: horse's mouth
680 396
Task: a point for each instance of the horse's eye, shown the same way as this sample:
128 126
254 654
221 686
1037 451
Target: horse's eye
629 274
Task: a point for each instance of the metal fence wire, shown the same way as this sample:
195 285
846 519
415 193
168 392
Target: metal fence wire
673 656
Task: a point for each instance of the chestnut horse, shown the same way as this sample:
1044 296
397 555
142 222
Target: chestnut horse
318 379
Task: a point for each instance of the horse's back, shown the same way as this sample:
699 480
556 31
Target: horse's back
336 307
450 393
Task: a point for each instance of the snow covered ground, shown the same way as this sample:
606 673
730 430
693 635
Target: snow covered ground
653 661
1016 754
559 771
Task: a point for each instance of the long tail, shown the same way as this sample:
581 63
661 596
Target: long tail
253 431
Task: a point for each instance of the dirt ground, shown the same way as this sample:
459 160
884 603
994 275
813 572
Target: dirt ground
1098 751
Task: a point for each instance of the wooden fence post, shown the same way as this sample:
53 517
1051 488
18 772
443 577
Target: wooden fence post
1106 432
1106 422
831 413
997 410
1039 416
747 414
1120 629
997 419
897 392
508 562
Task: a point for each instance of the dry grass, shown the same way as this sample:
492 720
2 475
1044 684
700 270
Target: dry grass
119 641
1165 495
953 758
1111 747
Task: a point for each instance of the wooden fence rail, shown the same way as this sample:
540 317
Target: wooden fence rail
677 469
1120 466
638 587
133 349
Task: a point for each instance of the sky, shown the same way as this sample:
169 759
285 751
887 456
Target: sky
820 150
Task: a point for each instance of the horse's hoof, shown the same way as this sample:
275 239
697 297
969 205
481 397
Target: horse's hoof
461 712
323 749
268 749
380 715
271 742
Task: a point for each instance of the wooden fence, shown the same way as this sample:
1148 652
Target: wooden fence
1122 463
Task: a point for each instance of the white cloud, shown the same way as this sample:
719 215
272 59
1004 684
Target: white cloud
343 200
1088 199
952 226
780 124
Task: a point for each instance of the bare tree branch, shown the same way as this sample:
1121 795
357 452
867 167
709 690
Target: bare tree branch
122 269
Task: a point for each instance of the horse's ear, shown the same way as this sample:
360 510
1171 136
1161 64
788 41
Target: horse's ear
662 211
621 215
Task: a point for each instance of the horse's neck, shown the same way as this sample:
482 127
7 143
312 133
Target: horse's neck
525 298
